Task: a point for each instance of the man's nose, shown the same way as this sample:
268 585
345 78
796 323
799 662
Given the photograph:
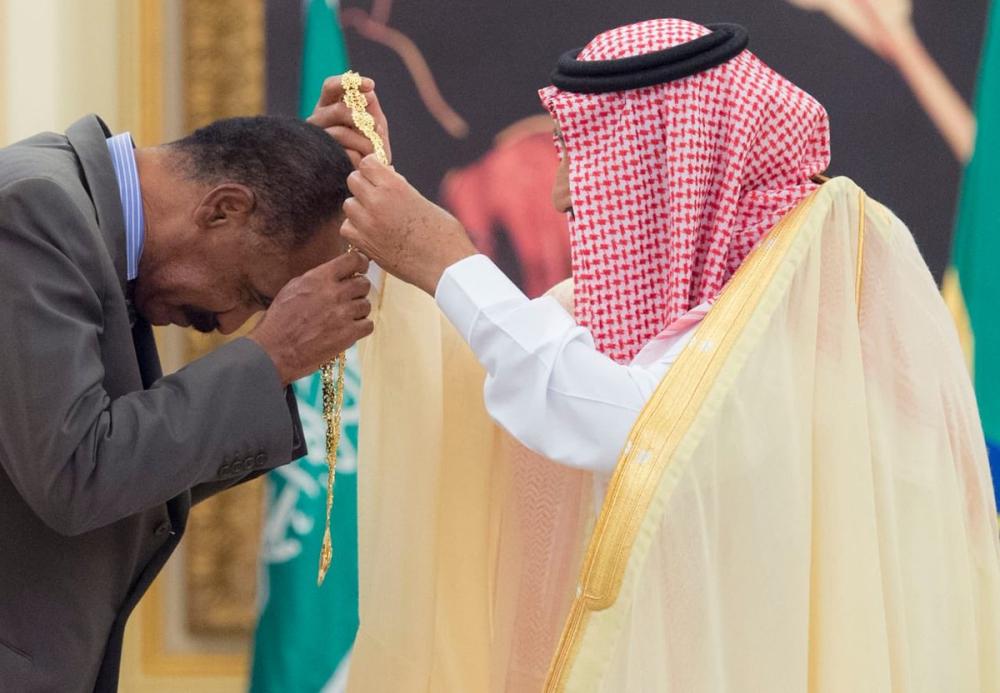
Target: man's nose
232 320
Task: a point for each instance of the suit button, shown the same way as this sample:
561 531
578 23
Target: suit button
162 529
261 460
248 463
224 470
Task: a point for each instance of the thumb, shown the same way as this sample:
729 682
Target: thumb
349 231
355 212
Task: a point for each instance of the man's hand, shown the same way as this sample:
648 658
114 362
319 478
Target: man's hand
393 224
333 115
316 316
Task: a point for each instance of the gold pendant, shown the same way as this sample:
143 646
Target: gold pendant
333 387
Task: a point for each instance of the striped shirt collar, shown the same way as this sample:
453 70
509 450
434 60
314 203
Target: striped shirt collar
122 152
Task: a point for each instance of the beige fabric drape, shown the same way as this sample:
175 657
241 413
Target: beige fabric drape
471 543
804 505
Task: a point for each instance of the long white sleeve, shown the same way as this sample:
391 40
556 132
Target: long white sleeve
546 383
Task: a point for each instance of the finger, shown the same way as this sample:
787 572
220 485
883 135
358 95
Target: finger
360 265
356 213
331 92
354 288
351 140
333 89
346 266
356 238
335 114
355 157
361 188
364 327
375 171
360 308
349 232
357 287
358 242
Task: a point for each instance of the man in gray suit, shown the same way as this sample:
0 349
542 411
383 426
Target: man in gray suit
101 457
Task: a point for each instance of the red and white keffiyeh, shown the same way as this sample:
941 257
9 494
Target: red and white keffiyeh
672 185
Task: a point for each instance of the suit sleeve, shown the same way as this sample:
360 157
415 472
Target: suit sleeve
208 489
80 459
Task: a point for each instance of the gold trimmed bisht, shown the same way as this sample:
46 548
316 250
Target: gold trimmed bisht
803 505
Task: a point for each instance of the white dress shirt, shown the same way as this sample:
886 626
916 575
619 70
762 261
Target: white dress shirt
546 383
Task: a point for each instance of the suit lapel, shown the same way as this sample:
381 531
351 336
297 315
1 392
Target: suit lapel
88 137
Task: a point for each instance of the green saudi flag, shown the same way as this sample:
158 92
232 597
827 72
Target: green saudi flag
971 284
304 632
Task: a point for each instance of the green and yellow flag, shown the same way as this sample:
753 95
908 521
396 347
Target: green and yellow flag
972 284
304 632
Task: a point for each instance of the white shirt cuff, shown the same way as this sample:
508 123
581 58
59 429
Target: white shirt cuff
471 286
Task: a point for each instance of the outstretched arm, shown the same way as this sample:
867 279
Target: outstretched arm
546 382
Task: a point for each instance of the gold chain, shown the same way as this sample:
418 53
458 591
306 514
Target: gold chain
363 120
333 387
333 406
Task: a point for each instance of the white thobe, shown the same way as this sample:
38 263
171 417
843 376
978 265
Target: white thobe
546 383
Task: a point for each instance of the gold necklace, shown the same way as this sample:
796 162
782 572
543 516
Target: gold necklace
333 406
333 387
363 120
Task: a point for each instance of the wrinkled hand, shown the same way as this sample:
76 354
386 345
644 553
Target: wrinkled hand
316 316
333 115
393 224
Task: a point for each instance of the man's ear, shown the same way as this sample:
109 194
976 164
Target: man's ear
227 203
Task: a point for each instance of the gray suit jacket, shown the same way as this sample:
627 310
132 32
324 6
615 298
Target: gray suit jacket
100 457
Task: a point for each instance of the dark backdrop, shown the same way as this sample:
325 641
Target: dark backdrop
489 57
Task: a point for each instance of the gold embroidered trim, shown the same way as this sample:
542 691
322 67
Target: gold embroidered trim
659 430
